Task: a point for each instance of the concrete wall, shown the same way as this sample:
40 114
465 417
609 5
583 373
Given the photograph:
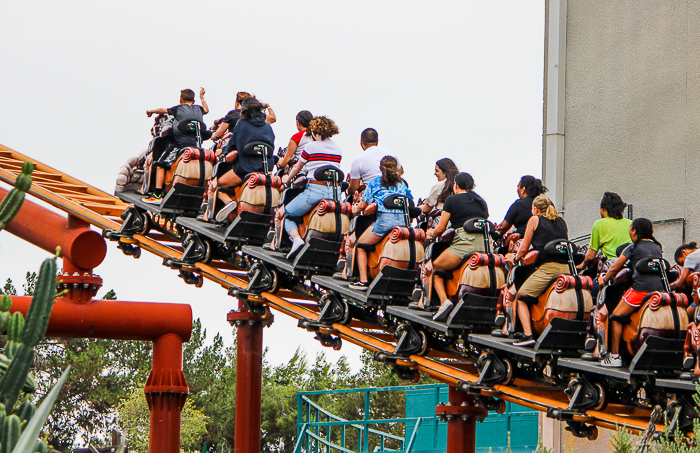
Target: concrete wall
632 112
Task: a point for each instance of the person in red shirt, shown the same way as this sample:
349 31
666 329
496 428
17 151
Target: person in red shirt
298 140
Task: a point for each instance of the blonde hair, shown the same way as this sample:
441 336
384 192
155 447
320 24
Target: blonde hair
544 204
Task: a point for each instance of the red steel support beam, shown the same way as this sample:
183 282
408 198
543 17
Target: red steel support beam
77 315
47 229
461 414
248 377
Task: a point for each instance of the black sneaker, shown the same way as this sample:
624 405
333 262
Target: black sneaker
527 340
359 286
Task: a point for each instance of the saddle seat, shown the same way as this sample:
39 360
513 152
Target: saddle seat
560 301
321 221
661 315
395 250
474 276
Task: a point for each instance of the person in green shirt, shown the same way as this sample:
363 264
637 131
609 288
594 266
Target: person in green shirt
610 231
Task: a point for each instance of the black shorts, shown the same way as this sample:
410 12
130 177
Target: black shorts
168 157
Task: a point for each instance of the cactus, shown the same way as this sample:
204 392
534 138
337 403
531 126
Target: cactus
23 336
13 201
40 447
10 433
26 411
14 334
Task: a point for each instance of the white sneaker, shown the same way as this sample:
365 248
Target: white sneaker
226 210
297 244
611 362
444 311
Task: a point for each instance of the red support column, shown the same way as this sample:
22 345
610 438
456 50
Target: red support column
461 414
248 377
166 391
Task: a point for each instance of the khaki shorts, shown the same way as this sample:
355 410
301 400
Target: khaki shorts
465 243
538 282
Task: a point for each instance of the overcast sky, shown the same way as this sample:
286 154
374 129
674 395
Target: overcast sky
458 79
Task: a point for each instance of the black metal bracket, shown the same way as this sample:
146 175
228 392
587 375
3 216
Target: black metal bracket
134 222
195 250
261 280
129 249
333 310
583 395
253 306
681 414
329 340
409 341
191 278
492 370
580 429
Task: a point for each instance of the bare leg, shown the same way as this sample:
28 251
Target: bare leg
523 312
447 261
367 238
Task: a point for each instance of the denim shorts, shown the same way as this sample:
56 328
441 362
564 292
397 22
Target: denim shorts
305 202
386 221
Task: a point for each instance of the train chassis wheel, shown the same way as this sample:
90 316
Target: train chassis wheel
410 340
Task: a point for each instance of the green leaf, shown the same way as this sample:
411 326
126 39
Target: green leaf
27 440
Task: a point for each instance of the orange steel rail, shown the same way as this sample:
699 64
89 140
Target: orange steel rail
103 210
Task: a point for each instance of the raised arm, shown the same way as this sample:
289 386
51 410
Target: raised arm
271 117
204 103
291 149
160 111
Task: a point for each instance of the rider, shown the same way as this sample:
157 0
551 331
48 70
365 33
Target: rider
378 189
185 110
229 121
610 231
231 173
298 140
366 167
544 226
521 210
687 256
321 152
465 204
644 246
445 172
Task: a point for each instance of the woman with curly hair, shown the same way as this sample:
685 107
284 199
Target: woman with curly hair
378 189
445 172
321 152
231 173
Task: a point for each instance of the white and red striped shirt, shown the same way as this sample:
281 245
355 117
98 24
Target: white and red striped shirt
319 154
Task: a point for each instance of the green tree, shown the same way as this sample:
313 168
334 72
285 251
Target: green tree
134 419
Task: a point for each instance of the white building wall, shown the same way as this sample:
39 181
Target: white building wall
631 112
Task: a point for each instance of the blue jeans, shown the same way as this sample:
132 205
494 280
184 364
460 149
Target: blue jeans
305 202
386 221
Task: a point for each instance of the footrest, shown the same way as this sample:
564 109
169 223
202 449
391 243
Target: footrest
474 312
393 282
563 337
249 227
659 355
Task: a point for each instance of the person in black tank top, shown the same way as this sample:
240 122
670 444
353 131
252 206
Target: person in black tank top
520 211
544 226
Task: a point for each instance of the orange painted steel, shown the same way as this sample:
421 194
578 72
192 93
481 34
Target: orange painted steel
82 246
65 193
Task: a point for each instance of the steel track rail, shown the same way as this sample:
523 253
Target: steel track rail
95 207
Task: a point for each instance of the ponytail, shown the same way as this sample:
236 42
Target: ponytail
390 172
464 181
644 229
533 186
545 205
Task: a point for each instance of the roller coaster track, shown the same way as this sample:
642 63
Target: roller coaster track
102 210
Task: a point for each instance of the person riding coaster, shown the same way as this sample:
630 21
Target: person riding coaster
691 348
687 256
391 230
553 289
472 287
249 150
648 307
520 211
321 160
457 210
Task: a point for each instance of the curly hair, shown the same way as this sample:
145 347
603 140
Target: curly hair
613 203
324 127
679 251
251 108
390 171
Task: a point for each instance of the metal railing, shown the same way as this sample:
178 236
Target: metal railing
320 431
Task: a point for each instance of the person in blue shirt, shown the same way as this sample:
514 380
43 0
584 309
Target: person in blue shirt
378 189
